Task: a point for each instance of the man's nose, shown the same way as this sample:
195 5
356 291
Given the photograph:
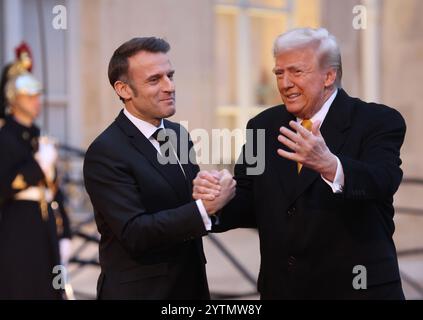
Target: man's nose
286 82
169 85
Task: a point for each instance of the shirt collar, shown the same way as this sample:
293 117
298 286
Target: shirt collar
146 128
321 114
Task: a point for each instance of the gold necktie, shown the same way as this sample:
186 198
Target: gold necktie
306 123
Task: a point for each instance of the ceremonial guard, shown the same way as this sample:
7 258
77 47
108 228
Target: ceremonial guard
34 227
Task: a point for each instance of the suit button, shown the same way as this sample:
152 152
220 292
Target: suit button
291 211
291 261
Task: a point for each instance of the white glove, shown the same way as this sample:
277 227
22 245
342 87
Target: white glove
47 156
65 247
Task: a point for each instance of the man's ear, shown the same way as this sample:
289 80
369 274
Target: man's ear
330 77
123 90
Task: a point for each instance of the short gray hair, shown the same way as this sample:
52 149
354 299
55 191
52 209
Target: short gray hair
327 47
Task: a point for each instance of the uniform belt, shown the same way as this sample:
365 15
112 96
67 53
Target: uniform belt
35 194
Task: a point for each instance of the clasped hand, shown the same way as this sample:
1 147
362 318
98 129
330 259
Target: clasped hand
214 188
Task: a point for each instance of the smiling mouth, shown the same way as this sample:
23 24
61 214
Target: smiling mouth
168 99
292 96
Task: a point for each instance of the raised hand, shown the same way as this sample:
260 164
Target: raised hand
309 148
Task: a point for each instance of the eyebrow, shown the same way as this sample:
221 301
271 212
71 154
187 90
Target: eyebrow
289 68
159 75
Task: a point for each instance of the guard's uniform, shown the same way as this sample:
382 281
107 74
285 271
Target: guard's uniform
32 215
28 227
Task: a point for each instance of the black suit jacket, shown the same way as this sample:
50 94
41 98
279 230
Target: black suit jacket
311 238
150 226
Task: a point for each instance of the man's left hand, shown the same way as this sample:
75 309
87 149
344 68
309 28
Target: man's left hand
309 148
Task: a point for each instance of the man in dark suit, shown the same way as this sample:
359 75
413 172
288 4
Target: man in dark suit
324 204
150 226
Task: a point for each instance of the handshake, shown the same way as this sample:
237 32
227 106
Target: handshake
214 188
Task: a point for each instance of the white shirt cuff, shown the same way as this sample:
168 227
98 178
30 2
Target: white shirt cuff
206 219
337 185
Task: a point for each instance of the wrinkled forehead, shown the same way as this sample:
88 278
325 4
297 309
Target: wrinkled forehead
145 64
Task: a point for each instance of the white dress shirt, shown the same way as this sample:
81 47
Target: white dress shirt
148 129
337 185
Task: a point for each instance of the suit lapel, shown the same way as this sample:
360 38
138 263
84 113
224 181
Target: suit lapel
286 169
170 172
334 130
184 161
